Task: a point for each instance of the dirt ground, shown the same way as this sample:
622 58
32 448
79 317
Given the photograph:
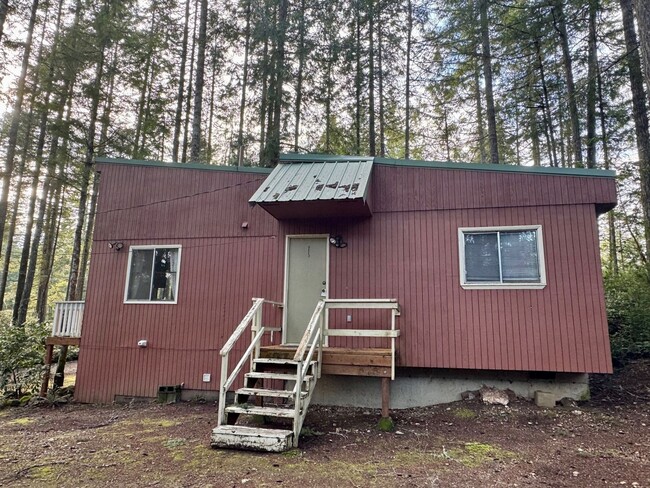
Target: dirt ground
602 442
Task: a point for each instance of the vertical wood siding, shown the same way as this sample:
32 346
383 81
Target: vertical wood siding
408 250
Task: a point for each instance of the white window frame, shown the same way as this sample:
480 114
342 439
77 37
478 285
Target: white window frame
495 285
128 274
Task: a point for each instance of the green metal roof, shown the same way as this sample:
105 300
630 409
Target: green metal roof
161 164
322 158
298 179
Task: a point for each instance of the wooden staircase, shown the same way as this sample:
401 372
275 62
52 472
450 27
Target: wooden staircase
273 404
279 389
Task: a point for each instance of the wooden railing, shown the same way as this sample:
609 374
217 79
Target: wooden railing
68 319
319 320
252 319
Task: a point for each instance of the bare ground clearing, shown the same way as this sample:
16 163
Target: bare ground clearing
603 442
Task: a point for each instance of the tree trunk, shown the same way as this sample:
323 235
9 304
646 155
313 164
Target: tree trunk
487 74
380 82
186 125
642 8
479 113
244 86
591 86
358 77
178 117
372 136
198 92
550 130
264 101
560 26
12 140
4 8
88 239
85 177
639 109
302 54
407 75
611 227
136 153
213 81
532 121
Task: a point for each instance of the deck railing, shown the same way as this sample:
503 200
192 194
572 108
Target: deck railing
319 319
252 319
68 319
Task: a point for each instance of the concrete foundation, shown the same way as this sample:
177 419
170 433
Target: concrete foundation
423 387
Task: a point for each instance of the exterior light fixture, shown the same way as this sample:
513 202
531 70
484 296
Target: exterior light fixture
116 246
337 241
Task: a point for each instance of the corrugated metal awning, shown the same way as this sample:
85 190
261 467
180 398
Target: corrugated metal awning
313 186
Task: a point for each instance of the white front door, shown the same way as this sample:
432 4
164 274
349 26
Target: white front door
305 283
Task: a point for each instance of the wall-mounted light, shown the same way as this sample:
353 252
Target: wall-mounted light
337 241
116 246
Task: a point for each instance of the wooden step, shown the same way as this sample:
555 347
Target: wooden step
251 438
276 376
288 413
279 361
262 392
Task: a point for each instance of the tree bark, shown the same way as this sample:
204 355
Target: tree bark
178 117
244 86
407 74
302 54
639 110
186 125
372 135
479 113
642 8
358 77
560 27
550 130
487 74
380 83
4 8
592 62
198 92
16 116
136 153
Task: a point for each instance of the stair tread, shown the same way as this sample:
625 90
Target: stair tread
268 411
276 376
245 430
267 392
251 438
278 361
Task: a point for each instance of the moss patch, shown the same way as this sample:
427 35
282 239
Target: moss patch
464 413
22 421
475 454
386 424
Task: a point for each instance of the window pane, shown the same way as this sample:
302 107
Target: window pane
163 286
481 257
519 257
140 274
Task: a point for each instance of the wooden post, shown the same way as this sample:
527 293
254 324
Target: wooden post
49 349
385 397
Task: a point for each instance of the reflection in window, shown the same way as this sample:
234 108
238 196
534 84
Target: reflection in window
508 256
153 274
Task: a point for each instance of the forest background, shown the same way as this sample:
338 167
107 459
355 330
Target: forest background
558 83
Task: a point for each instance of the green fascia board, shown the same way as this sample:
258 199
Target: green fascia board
201 166
319 158
504 168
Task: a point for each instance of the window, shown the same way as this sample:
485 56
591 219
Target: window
501 257
153 274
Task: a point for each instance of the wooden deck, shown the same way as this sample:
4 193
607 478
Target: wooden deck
342 361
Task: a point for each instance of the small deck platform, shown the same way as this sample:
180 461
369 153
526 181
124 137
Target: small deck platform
342 361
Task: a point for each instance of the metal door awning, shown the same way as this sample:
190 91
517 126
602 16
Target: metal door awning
316 186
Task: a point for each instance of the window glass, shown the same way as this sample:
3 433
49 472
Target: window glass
153 274
519 259
481 257
502 256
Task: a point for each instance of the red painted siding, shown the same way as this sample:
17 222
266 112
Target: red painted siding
408 250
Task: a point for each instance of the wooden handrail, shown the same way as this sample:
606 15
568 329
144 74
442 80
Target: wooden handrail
257 302
309 332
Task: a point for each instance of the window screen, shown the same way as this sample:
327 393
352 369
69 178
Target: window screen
153 274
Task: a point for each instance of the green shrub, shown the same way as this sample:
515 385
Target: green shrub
21 356
628 313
